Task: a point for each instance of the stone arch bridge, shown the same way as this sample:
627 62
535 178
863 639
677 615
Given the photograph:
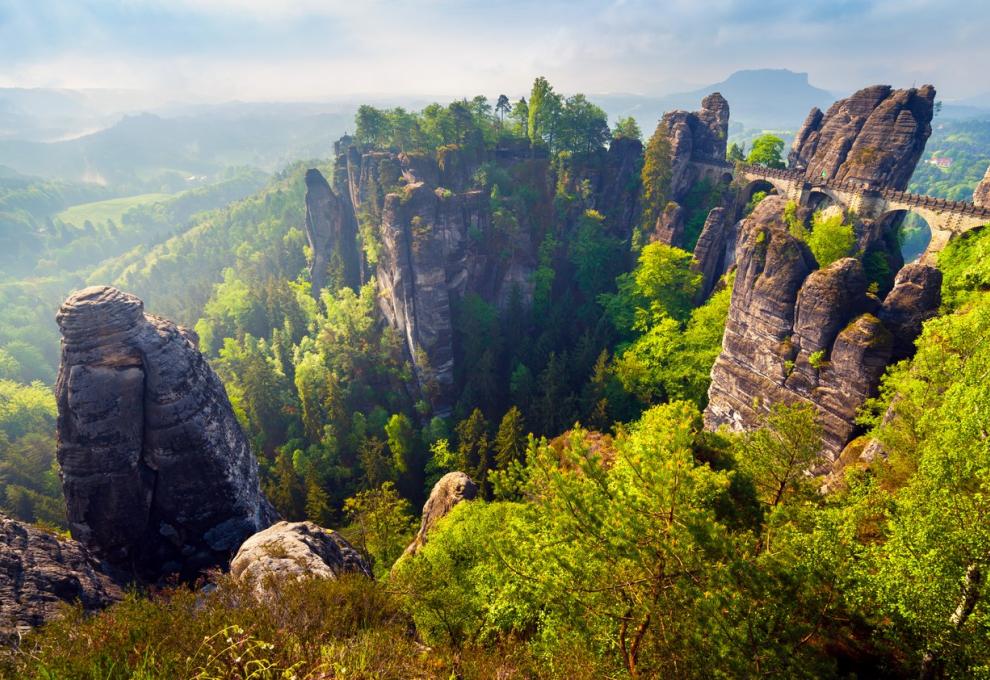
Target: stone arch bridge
946 219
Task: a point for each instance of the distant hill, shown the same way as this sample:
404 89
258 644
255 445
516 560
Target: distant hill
761 98
148 153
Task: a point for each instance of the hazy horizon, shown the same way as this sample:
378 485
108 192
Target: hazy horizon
252 50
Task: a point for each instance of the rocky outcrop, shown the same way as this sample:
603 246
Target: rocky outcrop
795 334
450 490
296 550
437 247
669 229
981 195
331 229
875 136
157 474
715 251
39 572
695 137
915 298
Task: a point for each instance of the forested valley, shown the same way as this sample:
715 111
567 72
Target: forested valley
613 534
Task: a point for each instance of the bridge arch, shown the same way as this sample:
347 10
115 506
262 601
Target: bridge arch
916 231
755 186
820 197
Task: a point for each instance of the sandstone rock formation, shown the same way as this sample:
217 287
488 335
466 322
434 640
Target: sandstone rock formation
331 229
157 474
297 550
450 490
715 251
695 137
39 572
795 334
981 195
669 229
875 136
915 298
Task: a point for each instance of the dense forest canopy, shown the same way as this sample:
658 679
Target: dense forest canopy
614 536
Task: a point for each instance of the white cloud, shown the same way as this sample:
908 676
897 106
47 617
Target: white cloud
315 48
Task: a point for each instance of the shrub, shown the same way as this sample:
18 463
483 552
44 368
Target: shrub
831 239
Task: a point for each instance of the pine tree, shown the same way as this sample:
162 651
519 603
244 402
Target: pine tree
510 441
317 500
474 448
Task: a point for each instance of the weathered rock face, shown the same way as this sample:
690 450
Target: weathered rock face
670 226
715 251
450 490
915 298
439 240
981 195
695 137
607 182
799 335
331 229
39 571
157 474
875 136
434 253
297 550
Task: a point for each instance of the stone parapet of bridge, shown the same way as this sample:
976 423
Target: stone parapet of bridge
946 218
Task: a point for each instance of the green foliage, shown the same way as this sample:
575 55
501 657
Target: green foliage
311 628
30 489
817 359
656 176
928 568
736 153
596 256
627 553
627 128
777 456
662 285
965 266
766 150
673 360
831 238
700 199
966 144
754 201
381 525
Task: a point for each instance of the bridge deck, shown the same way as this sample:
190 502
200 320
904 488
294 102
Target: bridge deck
855 186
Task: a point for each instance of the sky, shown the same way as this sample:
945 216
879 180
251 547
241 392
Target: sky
318 49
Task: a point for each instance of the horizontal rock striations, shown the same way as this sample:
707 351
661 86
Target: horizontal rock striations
795 334
39 572
695 137
875 136
157 474
296 550
715 251
331 229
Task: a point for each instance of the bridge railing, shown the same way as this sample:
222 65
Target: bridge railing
857 186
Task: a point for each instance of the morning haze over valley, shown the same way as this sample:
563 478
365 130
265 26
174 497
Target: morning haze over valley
477 340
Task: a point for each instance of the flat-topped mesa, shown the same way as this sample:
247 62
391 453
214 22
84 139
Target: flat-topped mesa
875 136
331 229
157 475
799 334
